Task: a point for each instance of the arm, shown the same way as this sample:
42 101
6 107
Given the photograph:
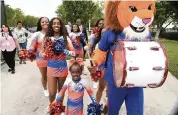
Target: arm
69 44
104 45
61 93
29 34
92 41
90 92
16 42
33 45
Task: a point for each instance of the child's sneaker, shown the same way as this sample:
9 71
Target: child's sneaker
46 93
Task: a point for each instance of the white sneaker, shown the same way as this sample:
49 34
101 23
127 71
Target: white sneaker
46 93
47 109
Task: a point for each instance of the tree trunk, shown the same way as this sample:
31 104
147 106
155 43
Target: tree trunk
157 34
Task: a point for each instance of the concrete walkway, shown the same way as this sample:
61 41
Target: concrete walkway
22 94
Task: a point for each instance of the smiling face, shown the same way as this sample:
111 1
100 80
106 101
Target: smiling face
76 72
56 25
135 17
44 23
75 28
4 28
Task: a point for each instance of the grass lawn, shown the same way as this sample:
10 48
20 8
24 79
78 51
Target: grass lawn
172 51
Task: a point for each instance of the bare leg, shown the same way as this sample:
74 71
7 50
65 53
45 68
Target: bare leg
43 71
52 88
100 90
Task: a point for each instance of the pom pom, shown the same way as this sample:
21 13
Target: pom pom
94 109
31 55
23 54
48 49
96 76
56 109
59 46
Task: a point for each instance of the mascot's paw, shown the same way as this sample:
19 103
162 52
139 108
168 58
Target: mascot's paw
94 109
56 109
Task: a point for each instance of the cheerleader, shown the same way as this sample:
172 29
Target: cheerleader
57 69
75 87
77 40
36 46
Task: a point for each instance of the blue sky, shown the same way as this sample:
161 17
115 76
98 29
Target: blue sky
36 7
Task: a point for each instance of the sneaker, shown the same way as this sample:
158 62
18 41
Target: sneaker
20 62
47 109
24 62
9 70
13 71
46 93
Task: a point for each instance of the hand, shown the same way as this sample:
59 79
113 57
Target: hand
54 102
92 69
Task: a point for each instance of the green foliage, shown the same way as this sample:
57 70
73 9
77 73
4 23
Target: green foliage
166 12
84 10
171 49
14 15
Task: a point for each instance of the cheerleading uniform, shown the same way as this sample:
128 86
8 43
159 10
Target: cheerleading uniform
57 65
75 96
77 43
36 45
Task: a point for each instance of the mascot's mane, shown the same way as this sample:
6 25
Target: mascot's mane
110 20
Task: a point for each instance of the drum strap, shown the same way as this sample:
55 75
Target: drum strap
115 40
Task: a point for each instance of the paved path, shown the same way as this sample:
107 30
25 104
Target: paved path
21 93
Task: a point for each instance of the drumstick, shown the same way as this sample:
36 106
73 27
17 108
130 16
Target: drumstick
87 49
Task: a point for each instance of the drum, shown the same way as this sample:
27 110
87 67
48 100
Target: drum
139 64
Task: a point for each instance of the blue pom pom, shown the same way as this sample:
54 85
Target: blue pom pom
94 109
59 46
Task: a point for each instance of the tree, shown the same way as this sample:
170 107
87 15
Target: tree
73 10
14 15
166 13
30 21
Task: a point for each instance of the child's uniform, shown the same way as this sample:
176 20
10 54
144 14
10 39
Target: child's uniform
75 96
36 45
57 65
77 43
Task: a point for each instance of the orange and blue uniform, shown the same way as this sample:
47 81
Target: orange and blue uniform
36 45
75 96
76 41
57 65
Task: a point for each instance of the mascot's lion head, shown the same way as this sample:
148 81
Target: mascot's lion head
131 17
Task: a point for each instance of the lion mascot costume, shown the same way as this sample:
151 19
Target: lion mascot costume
123 20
